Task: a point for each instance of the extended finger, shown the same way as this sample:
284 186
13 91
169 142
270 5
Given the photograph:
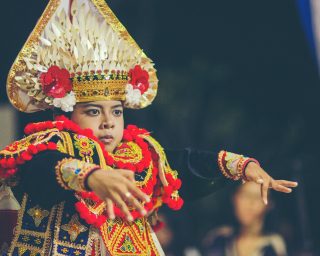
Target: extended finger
264 190
138 193
132 201
287 183
123 206
281 188
109 207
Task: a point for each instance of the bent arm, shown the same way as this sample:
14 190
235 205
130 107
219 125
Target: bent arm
34 160
38 179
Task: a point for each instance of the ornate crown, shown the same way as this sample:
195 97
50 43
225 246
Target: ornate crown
80 52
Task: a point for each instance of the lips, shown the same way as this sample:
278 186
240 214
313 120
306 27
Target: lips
107 139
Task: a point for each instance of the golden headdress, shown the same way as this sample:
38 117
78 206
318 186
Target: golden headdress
80 52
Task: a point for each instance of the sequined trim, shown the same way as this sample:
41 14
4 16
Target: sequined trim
164 166
37 138
67 143
19 64
62 244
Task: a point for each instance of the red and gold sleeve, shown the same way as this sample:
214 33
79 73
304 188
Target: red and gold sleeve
72 173
233 165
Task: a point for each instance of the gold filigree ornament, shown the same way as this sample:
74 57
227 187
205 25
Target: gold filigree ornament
74 227
37 214
85 41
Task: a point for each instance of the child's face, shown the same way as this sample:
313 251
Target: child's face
248 206
105 118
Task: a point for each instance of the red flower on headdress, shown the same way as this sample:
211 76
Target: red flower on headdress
139 78
56 82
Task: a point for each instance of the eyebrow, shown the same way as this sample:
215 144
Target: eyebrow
99 106
116 106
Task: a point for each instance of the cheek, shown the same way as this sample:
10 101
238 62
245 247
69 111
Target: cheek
85 122
119 132
259 208
248 210
238 207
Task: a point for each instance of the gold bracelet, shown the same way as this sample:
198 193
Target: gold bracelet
85 172
243 162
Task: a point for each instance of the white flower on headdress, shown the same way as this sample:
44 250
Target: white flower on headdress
132 95
66 103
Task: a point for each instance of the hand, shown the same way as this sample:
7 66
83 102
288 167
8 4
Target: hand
254 172
117 186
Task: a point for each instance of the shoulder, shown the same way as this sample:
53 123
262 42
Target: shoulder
23 150
41 136
32 142
218 236
67 135
276 242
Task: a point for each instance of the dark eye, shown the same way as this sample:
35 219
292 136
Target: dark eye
117 112
93 112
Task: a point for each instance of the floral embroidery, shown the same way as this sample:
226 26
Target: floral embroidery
85 147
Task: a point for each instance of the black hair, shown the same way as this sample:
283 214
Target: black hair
59 112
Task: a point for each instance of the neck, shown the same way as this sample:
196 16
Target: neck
252 230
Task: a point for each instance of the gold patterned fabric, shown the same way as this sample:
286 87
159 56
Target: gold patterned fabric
62 228
125 238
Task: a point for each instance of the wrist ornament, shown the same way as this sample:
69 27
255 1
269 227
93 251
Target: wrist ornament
242 165
72 174
233 165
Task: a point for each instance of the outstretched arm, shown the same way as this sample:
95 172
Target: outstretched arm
202 172
198 171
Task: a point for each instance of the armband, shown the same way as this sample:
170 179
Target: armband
233 165
72 173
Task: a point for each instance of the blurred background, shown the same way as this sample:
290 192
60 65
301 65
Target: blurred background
234 75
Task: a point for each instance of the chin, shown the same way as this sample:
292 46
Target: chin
247 221
109 148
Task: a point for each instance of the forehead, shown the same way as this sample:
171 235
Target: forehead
250 188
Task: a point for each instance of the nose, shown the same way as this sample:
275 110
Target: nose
107 122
